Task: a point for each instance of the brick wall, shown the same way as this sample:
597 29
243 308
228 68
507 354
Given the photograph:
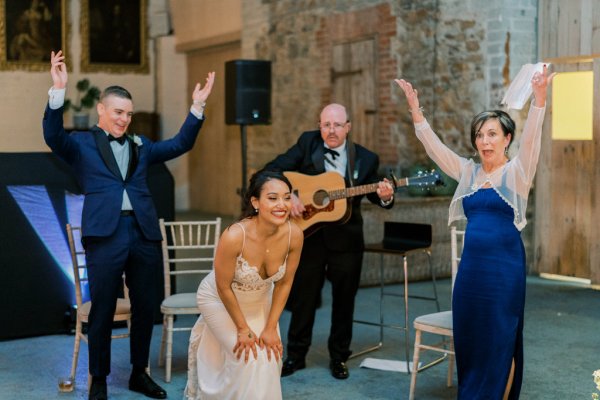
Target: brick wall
459 54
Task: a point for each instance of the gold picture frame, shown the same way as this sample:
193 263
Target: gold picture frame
30 31
114 36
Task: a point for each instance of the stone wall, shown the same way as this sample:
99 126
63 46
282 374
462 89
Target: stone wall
459 54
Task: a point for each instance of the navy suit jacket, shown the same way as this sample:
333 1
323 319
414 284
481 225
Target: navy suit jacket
307 157
92 160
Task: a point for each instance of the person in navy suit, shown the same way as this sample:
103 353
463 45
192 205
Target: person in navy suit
334 252
119 222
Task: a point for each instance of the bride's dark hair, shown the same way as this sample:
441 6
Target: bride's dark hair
257 182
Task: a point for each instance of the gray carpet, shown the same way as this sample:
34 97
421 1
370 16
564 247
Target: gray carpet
561 352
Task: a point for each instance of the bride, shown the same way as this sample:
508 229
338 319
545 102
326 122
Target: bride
235 346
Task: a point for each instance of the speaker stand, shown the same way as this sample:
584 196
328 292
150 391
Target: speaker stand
244 163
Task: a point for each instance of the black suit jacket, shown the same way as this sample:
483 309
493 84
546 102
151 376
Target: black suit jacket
307 157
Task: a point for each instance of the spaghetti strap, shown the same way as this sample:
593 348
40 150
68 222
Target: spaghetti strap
289 240
243 240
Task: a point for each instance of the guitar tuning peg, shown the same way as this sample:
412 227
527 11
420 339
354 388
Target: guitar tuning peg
394 179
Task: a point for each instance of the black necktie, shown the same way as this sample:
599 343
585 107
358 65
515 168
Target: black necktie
120 140
333 153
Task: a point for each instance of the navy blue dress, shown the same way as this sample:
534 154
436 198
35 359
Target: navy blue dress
488 300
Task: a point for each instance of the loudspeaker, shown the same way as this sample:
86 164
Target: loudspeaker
248 92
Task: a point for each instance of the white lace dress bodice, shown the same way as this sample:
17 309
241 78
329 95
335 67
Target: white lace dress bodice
247 278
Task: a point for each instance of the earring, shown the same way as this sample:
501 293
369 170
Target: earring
506 150
256 210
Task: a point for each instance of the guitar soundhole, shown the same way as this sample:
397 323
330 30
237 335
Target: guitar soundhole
321 198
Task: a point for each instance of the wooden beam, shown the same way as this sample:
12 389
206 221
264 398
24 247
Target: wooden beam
595 188
209 43
572 59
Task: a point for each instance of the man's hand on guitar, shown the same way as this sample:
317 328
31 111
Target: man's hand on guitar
297 207
385 190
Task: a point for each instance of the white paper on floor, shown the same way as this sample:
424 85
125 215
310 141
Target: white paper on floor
385 365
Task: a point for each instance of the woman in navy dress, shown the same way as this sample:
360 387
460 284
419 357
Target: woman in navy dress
489 293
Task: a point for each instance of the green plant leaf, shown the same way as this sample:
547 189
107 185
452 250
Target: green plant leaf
83 85
87 95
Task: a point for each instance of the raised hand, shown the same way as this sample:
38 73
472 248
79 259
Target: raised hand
412 96
58 70
200 94
539 84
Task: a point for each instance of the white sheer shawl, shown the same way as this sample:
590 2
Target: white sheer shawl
512 182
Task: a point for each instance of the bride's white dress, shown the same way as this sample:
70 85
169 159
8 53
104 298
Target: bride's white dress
214 372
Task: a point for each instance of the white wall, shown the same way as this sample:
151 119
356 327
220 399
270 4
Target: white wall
25 94
163 89
173 105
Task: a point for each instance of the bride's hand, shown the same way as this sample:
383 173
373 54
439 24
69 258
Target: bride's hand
246 343
270 340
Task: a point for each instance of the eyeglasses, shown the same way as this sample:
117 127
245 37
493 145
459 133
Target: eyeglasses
335 125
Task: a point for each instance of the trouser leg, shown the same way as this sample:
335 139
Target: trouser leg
305 295
343 270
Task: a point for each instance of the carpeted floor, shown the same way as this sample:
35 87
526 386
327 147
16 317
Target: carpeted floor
561 352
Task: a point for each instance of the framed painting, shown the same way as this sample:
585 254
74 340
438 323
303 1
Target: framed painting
114 36
29 31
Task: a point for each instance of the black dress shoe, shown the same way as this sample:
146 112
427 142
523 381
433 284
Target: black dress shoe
291 365
339 370
98 391
142 383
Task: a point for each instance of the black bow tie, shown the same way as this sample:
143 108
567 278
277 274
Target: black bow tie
333 153
121 140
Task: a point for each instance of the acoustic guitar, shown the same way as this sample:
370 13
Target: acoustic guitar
324 195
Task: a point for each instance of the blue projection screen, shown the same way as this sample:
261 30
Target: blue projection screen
38 197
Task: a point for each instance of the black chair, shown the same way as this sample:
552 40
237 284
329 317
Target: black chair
401 239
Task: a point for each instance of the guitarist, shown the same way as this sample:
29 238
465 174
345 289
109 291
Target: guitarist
334 252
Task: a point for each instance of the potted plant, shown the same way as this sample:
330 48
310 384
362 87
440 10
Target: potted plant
87 95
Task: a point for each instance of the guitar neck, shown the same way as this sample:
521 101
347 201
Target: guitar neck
361 190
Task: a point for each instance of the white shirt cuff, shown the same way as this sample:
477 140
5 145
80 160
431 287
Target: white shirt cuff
56 98
196 113
387 203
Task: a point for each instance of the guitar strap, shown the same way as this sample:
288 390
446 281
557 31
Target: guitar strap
351 154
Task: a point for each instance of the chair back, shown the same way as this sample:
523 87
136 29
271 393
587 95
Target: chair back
188 248
80 273
80 277
457 241
405 236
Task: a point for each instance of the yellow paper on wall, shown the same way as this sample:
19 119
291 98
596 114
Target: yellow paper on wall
572 105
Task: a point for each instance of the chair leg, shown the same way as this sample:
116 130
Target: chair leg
415 366
161 354
78 330
434 282
169 348
450 364
381 298
406 326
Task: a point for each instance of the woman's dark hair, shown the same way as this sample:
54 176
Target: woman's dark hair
506 122
257 181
